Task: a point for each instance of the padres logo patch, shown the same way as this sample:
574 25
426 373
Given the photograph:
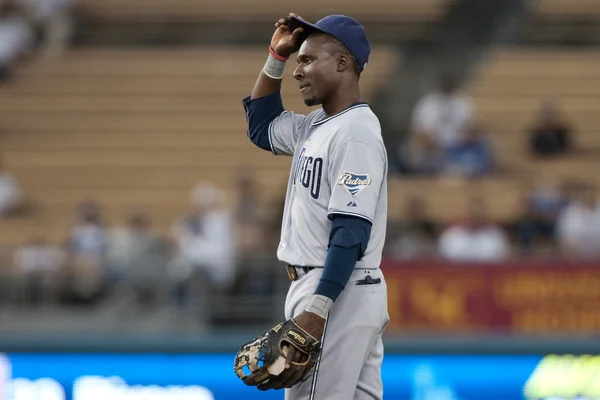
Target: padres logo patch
354 183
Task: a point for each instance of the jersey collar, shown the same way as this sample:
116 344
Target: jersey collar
352 107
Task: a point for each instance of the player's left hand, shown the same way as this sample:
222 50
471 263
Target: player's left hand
282 356
311 323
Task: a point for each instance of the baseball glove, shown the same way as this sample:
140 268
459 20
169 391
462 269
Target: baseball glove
265 357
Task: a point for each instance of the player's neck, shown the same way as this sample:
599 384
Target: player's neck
341 100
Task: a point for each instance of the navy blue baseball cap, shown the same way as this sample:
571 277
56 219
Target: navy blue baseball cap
345 29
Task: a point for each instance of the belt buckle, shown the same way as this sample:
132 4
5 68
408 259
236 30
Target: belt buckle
292 273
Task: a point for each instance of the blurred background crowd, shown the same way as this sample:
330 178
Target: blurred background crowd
128 186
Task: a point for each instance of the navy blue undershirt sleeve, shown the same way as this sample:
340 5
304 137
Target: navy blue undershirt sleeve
348 241
259 115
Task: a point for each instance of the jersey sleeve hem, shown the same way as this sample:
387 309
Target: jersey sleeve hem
351 214
269 134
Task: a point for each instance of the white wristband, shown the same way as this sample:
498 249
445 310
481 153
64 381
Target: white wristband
320 305
274 67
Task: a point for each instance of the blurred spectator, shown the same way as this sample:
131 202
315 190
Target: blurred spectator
137 256
256 238
471 156
523 227
16 37
550 134
87 246
536 223
40 266
578 226
10 196
422 155
249 220
87 238
273 220
53 20
413 236
443 114
476 239
204 244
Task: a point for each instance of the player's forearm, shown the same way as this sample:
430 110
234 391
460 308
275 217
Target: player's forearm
348 241
339 266
265 86
269 79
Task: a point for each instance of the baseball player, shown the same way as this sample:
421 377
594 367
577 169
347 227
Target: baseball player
334 220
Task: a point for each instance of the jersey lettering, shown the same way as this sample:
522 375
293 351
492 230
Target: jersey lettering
315 187
298 166
309 172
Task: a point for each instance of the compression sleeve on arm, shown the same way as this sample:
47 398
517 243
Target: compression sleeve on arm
348 241
259 115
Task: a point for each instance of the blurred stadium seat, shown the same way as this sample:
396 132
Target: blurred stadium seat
559 9
231 10
447 198
570 22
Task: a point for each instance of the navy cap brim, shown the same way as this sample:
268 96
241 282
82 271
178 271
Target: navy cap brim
308 28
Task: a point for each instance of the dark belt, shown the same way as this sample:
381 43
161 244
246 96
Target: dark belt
292 271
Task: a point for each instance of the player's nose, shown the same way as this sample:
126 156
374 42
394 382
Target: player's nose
299 72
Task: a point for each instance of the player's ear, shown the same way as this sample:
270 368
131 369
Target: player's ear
343 63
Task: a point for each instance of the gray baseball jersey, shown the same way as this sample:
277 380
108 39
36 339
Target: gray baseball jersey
339 167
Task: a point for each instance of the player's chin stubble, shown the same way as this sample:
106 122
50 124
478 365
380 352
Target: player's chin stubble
309 98
309 101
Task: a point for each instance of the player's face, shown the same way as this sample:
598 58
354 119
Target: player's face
315 72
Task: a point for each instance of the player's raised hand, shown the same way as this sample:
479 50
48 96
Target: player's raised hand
285 42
